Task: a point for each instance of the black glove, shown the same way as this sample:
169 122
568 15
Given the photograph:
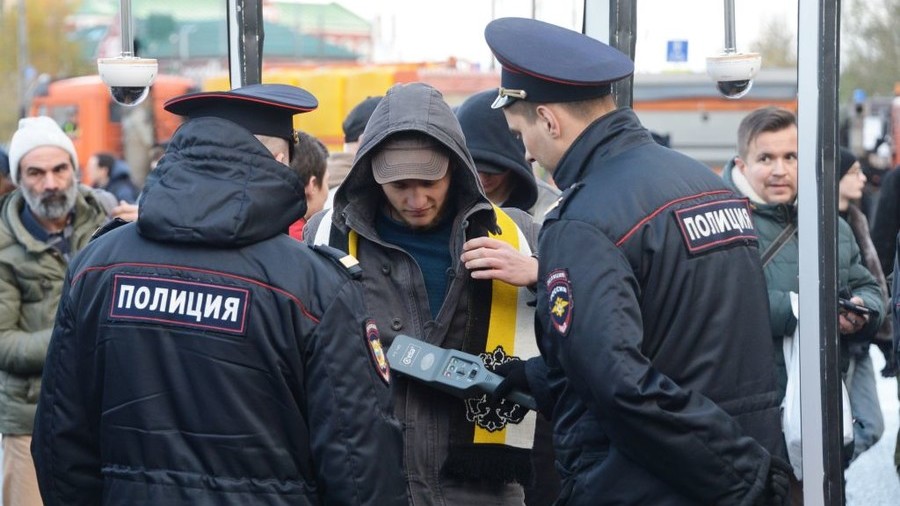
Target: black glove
777 483
515 378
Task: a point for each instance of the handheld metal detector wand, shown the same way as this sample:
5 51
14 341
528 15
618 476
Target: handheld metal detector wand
451 371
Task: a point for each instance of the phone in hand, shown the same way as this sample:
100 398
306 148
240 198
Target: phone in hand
856 308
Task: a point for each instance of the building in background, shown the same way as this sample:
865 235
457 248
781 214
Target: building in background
193 42
697 120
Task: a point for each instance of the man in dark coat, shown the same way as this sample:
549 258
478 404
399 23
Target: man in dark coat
111 174
201 356
651 307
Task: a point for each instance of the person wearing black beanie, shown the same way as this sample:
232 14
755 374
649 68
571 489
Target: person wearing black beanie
339 162
355 123
846 160
505 174
862 389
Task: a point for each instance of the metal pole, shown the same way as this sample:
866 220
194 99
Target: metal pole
622 26
245 42
125 30
493 64
22 60
730 44
613 22
820 397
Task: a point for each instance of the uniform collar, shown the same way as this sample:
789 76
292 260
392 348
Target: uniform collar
604 137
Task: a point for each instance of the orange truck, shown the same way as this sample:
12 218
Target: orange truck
684 107
83 107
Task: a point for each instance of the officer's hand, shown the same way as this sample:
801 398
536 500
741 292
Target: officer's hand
777 483
515 378
488 258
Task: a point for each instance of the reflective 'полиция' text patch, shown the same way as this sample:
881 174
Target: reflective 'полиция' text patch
178 302
715 224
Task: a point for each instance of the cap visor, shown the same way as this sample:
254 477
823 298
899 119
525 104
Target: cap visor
427 165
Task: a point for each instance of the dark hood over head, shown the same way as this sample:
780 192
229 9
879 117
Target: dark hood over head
218 185
413 107
490 142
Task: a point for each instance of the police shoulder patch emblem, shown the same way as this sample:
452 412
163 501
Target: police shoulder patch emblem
559 297
376 351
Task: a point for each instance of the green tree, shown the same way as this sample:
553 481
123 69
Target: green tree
870 47
51 51
777 44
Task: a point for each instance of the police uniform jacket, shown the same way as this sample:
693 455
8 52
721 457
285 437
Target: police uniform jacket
653 313
395 294
203 357
783 269
31 279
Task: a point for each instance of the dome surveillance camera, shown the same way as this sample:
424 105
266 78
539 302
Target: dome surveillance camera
733 72
128 78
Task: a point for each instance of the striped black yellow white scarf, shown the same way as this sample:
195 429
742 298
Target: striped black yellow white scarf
494 441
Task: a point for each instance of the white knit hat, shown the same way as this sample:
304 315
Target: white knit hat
34 133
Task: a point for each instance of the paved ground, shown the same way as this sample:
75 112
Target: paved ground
871 479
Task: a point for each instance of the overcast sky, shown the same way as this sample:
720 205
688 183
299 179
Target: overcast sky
417 30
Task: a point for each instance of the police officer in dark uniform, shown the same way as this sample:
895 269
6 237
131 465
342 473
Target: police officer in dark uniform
203 357
652 303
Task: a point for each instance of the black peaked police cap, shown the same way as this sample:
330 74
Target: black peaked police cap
263 109
545 63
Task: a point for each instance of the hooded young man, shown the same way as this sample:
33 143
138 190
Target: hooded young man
440 263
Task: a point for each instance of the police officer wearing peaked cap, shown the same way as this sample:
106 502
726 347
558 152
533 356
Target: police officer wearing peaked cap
263 109
661 383
551 65
203 357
